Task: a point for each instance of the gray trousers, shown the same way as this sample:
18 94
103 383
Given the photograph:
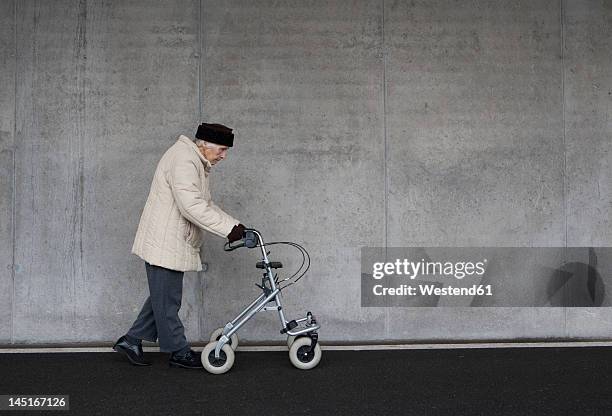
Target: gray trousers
158 318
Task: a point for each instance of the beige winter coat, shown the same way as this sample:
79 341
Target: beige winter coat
178 206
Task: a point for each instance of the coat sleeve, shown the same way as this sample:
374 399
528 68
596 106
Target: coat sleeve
183 179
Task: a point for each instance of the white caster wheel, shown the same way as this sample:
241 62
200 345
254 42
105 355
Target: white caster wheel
299 356
290 339
216 334
217 365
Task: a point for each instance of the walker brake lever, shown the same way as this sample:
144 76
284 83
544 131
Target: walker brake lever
229 247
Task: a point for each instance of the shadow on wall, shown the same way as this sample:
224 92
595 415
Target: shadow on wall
577 284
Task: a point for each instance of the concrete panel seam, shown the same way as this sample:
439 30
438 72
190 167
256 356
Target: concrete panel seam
562 28
81 121
13 201
564 186
200 27
384 51
385 149
200 276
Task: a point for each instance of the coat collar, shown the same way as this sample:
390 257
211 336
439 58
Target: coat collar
190 143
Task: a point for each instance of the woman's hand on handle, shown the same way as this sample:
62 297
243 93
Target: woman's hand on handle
237 233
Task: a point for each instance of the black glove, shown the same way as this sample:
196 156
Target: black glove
237 233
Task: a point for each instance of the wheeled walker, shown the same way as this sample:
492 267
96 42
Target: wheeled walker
302 336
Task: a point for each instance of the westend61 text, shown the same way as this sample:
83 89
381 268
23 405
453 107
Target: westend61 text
432 290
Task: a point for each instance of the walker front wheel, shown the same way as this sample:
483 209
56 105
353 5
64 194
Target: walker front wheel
216 334
217 365
290 339
301 355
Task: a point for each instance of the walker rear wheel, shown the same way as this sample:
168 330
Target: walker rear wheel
217 365
216 334
301 356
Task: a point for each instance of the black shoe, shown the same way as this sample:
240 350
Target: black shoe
189 359
133 352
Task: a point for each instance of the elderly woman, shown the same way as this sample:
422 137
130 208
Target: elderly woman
169 237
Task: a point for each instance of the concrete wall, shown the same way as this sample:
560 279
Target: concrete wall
358 123
7 146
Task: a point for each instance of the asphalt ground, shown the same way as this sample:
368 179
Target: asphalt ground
498 381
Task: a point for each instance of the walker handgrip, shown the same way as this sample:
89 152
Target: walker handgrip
250 239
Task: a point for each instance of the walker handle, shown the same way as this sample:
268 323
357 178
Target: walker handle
249 240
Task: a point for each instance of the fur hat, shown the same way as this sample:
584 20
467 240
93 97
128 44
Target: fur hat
215 133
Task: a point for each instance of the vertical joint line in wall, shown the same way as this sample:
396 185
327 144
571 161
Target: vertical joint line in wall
384 52
81 126
200 62
562 56
14 199
200 274
562 18
386 198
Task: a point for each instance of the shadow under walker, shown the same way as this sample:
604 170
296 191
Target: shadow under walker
304 350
